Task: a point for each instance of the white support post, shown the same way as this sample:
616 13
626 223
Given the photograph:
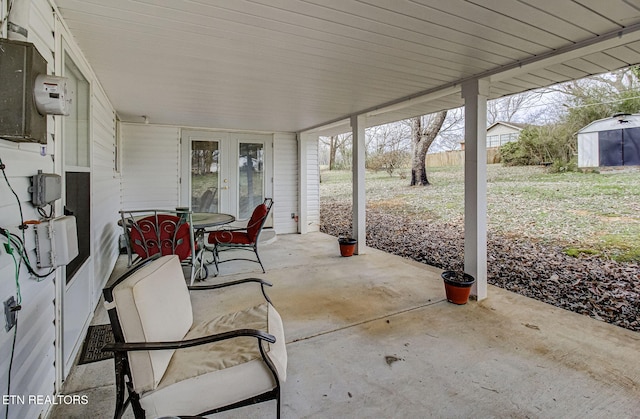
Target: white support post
475 93
303 145
358 124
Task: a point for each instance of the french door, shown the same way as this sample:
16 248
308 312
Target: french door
225 172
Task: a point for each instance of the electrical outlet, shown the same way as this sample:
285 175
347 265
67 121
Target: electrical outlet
9 314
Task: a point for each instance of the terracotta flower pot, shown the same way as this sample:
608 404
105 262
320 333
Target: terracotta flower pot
347 246
457 286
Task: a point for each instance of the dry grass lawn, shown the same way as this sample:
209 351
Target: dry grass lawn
594 213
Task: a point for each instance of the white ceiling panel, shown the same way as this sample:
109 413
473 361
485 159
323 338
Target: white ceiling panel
292 65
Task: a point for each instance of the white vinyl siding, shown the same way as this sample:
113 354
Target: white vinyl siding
500 134
150 166
151 171
285 183
105 190
41 29
34 351
34 363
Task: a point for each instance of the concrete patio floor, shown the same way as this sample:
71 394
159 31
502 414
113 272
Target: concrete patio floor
372 336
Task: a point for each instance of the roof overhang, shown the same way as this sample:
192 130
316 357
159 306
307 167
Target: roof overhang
301 66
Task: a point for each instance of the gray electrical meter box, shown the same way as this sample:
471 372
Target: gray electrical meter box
45 188
20 64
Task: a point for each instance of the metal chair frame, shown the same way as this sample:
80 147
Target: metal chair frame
120 348
222 246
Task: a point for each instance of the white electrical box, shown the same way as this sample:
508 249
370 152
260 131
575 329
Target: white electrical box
56 242
51 96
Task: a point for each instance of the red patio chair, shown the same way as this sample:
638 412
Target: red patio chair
243 238
163 232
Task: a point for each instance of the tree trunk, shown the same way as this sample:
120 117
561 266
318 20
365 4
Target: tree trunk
422 138
332 152
418 169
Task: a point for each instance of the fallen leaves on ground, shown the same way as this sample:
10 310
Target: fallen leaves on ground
591 285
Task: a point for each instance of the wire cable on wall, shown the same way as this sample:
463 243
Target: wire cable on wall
13 348
4 174
19 243
19 246
10 251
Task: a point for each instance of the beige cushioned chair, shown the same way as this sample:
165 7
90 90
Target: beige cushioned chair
173 366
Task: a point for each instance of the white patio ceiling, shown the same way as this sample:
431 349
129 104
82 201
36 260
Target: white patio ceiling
290 65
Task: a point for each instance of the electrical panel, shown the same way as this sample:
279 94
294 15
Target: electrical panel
56 242
45 188
20 65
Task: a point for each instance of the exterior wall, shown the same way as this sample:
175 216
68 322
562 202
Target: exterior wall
500 129
500 134
105 187
151 171
34 356
607 124
150 166
588 150
285 183
33 370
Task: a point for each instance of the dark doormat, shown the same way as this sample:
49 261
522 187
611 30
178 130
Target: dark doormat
97 336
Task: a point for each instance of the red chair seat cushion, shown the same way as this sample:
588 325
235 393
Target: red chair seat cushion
249 236
229 237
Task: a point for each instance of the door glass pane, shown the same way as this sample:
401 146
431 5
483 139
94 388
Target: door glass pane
250 178
76 125
204 176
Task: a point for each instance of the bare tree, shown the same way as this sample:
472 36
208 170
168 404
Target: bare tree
335 143
388 138
510 108
424 130
203 157
451 133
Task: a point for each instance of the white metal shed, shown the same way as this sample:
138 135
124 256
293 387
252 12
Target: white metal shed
611 141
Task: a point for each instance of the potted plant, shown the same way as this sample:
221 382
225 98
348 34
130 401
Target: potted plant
457 286
347 246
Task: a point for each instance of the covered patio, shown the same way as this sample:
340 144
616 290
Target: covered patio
370 335
373 336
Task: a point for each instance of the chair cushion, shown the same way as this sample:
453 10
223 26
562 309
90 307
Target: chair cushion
255 223
223 372
229 237
153 305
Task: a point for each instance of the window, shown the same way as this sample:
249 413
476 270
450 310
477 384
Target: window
493 140
76 125
77 162
508 138
78 204
251 177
